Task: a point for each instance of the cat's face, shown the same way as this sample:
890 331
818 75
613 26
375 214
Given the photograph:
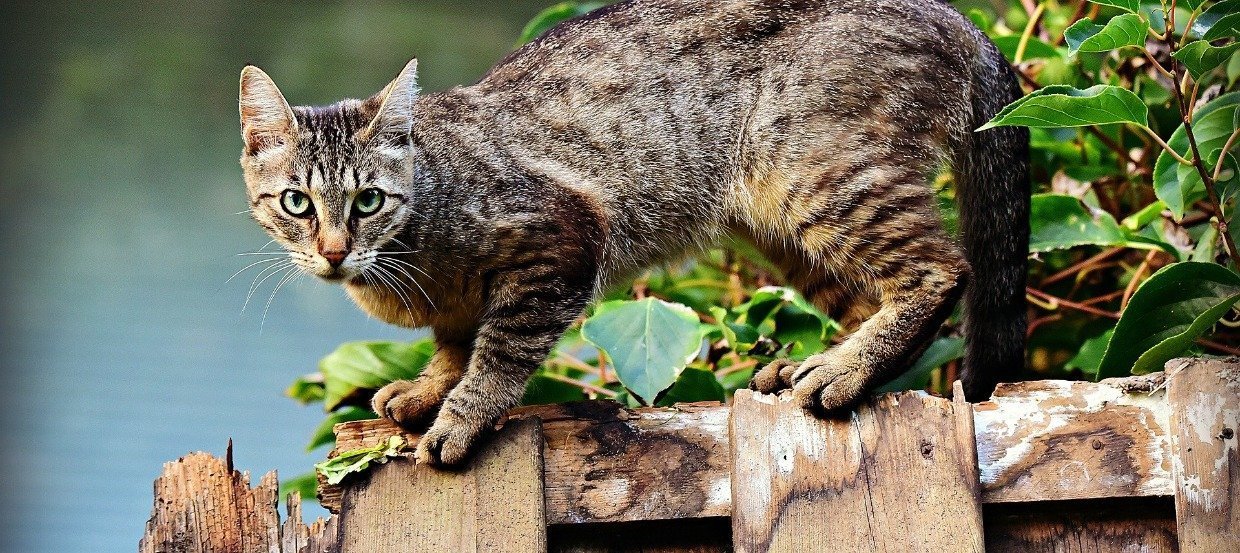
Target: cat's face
331 184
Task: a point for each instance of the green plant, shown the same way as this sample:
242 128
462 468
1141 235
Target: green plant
1134 124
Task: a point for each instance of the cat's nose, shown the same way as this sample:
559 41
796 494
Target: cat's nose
335 257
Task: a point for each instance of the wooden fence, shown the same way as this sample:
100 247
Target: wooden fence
1131 465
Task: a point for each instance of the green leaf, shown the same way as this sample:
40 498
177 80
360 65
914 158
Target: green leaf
1233 69
788 318
1089 357
1059 222
1065 106
307 389
553 16
357 366
1144 216
543 390
649 342
306 485
324 435
939 353
1201 58
1220 20
1170 310
358 460
1123 30
692 385
1178 185
1034 48
1126 5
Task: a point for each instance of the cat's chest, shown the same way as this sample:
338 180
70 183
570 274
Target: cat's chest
381 302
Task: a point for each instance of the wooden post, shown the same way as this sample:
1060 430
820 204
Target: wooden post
1204 397
493 504
899 475
202 505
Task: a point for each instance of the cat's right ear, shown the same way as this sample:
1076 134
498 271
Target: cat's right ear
267 121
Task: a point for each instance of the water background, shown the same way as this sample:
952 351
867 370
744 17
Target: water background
122 345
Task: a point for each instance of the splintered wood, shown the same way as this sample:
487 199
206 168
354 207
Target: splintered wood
202 505
1205 416
899 475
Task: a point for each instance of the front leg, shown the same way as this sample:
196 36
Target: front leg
532 304
412 403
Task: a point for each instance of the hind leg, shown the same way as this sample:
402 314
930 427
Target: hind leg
886 233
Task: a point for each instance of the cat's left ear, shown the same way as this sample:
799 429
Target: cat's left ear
394 115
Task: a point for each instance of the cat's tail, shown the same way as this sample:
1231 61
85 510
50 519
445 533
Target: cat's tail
993 197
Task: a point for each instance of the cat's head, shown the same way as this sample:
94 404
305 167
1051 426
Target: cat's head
329 184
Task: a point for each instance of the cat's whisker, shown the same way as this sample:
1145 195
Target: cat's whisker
414 267
275 269
391 282
243 269
287 278
379 263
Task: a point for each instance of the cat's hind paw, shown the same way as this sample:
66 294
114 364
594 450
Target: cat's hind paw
775 376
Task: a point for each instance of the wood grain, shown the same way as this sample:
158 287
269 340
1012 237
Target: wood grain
1145 525
697 535
1204 398
1053 440
493 504
896 476
202 505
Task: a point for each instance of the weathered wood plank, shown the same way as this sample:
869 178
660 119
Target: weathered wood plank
202 505
697 535
1053 440
606 463
1146 525
896 476
1204 398
493 504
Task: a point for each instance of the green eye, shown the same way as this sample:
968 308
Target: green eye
295 203
368 201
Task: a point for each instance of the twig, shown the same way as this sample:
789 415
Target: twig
583 385
1055 302
1136 278
1220 347
1070 271
1028 32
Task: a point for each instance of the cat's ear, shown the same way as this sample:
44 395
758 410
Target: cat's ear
267 121
394 112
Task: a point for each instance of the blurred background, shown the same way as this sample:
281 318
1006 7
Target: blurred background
123 345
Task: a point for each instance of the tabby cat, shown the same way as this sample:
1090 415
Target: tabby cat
647 130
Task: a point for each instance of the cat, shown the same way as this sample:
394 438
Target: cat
644 131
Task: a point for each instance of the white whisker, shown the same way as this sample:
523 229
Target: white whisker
284 280
242 270
275 269
379 263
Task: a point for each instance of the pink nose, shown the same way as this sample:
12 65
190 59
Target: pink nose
334 257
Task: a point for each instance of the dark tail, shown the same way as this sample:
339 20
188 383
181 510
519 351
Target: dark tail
993 195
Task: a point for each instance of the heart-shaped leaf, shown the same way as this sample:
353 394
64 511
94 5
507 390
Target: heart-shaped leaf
1170 310
1065 106
649 342
1123 30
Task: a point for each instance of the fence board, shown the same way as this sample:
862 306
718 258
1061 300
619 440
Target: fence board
895 477
1053 440
1204 397
1146 525
494 504
1029 438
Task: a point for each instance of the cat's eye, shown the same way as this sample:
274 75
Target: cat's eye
296 203
368 202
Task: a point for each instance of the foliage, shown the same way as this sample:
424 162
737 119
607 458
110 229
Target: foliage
1135 180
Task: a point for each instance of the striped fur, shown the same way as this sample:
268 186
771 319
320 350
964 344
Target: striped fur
645 131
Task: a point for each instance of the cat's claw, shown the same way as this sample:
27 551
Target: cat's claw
448 442
829 388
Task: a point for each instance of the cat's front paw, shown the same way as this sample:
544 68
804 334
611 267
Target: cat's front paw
827 386
408 403
775 376
449 441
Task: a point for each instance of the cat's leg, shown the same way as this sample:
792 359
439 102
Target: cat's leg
887 233
531 304
412 403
